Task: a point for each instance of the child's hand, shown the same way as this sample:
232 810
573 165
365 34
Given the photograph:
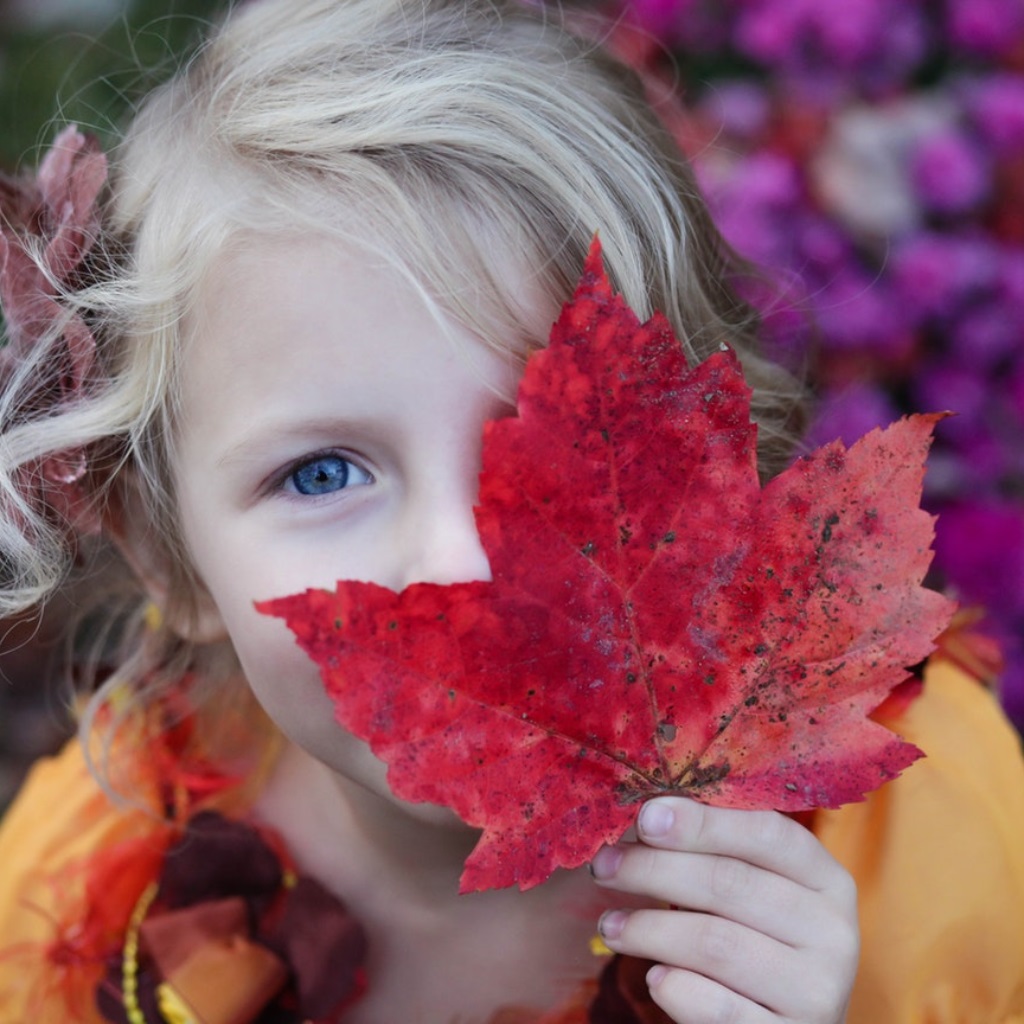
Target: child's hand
766 925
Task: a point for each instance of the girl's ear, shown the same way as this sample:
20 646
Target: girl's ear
185 605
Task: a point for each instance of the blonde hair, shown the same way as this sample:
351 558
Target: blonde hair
464 134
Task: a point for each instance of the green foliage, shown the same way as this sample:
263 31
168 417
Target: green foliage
89 75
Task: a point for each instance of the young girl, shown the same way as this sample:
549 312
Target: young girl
325 250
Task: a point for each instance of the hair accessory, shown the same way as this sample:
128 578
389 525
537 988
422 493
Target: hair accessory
47 228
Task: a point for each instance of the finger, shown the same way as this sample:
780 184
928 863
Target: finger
690 998
766 839
737 958
731 888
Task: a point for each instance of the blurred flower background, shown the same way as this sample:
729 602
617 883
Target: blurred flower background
869 155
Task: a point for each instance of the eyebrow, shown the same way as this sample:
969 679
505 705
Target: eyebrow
250 446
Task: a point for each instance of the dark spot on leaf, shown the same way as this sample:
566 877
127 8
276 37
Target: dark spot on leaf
791 786
826 533
604 435
710 680
392 624
588 549
752 700
761 649
669 537
698 777
337 623
630 677
666 731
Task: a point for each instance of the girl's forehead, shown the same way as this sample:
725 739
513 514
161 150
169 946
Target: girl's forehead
492 291
314 341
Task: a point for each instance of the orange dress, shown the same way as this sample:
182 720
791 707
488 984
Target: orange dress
938 856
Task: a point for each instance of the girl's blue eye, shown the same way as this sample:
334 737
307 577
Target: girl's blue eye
325 474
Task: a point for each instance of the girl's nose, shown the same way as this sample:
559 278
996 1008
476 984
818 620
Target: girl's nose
442 545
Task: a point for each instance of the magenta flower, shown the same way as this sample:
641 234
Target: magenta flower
827 49
951 173
937 274
989 28
995 105
856 311
953 387
985 336
741 108
659 16
849 413
981 544
870 156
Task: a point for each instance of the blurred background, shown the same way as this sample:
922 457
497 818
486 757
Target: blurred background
869 155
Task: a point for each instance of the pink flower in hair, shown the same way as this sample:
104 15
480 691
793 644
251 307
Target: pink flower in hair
47 228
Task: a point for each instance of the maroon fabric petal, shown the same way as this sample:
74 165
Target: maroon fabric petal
54 219
325 946
217 858
70 180
623 997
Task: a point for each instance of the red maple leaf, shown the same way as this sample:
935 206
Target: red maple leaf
656 623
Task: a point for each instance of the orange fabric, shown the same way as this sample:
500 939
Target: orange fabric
938 856
53 932
939 860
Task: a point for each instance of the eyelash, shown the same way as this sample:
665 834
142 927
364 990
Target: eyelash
285 482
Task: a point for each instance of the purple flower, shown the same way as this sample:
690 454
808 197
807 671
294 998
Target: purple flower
856 312
1011 282
934 274
826 49
741 109
1015 395
823 247
944 385
996 107
979 545
983 457
754 202
985 335
785 328
659 17
849 413
1011 685
986 27
697 25
950 173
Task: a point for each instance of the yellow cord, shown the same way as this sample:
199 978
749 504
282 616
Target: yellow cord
130 961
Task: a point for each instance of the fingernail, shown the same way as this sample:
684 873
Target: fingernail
655 974
606 862
611 924
655 820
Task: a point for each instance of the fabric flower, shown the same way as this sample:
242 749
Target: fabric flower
227 935
48 227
